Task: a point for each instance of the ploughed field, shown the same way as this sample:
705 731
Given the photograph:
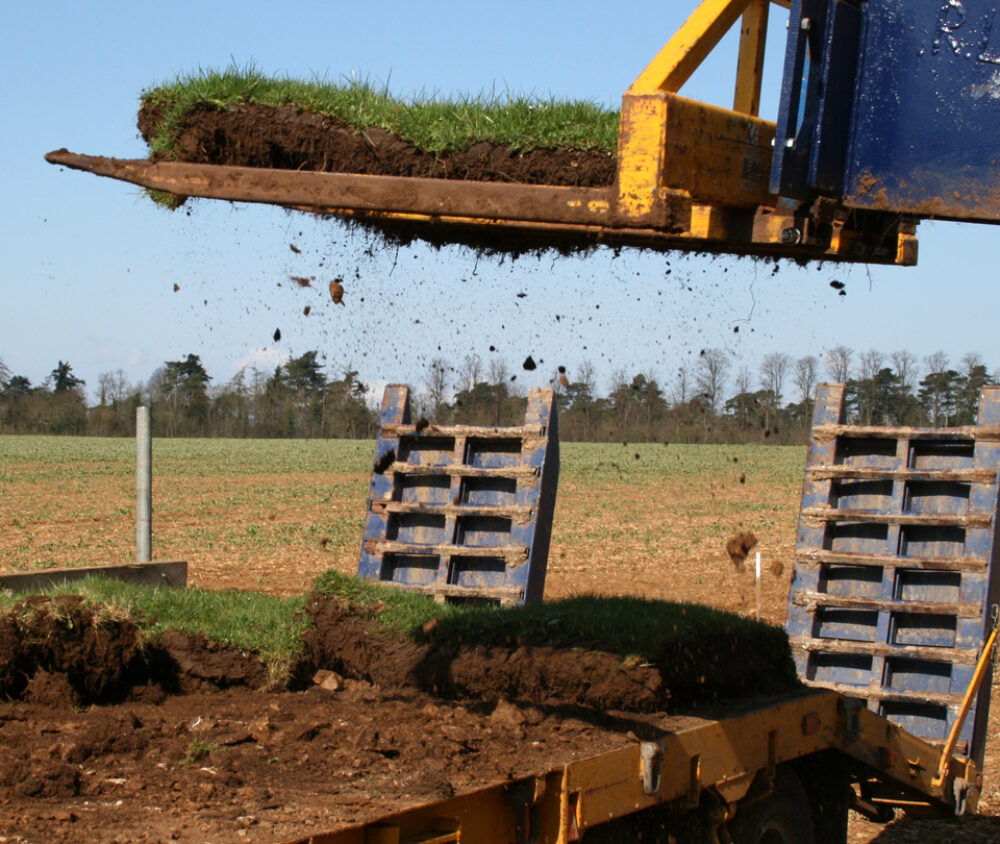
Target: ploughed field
179 737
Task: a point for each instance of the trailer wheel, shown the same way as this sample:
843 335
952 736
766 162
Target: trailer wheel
782 817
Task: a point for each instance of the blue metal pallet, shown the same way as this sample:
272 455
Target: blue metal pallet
895 578
462 513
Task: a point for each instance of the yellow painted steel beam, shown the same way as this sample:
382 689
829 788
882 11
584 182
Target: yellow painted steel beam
970 693
668 143
723 755
689 47
750 64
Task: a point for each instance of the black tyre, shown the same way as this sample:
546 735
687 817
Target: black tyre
782 817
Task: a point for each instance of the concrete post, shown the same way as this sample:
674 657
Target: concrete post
143 486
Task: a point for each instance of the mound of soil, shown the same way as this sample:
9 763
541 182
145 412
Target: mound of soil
712 665
254 135
193 752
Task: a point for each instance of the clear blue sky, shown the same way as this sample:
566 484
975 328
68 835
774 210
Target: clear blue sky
88 266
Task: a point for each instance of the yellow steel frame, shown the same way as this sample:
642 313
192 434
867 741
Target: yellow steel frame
726 757
720 157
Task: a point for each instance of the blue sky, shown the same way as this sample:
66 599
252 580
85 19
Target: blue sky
88 266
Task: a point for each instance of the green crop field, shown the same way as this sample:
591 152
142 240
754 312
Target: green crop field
270 515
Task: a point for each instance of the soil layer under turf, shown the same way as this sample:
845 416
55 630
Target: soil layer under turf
284 137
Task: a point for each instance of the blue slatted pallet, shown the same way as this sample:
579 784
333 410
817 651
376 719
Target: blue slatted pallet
895 576
462 513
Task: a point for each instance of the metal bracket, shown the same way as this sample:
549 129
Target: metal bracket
850 707
960 790
652 763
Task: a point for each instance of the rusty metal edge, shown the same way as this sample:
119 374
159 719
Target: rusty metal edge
319 190
172 574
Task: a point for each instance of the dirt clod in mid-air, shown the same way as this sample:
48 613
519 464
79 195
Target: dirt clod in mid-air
739 545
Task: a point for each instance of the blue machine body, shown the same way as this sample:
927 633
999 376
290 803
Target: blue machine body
895 577
893 105
462 513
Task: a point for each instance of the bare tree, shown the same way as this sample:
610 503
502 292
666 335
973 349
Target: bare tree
805 377
437 384
870 364
679 395
937 362
971 361
470 373
498 372
838 363
905 364
585 376
710 376
743 380
773 371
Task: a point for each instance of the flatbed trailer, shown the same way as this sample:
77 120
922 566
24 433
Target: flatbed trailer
779 767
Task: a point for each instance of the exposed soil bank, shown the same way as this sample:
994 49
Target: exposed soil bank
714 665
264 136
61 651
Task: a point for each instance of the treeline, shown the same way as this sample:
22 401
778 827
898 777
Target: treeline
296 400
711 401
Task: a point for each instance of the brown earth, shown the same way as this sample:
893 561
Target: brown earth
711 664
105 740
264 136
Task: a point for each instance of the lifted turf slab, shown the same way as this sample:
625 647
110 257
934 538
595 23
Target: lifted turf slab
243 118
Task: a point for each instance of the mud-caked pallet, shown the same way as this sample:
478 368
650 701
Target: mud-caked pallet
459 512
895 577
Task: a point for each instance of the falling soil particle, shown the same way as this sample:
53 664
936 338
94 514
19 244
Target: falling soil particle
176 287
277 334
529 363
294 248
564 380
337 291
263 136
301 281
739 546
385 461
422 424
306 310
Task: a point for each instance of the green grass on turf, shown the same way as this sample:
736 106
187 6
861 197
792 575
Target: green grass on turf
438 125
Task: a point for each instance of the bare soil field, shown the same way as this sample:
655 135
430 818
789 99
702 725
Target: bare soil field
203 754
